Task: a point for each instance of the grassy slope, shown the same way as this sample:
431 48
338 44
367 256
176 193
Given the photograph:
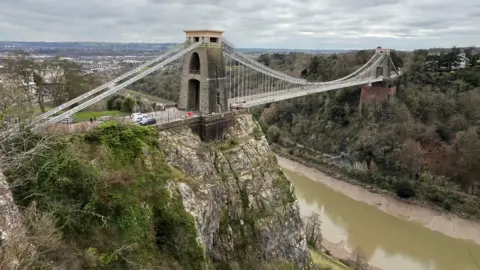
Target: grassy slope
86 115
326 262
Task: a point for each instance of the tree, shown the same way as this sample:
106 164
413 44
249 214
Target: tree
359 263
68 81
397 61
128 105
411 155
7 101
474 60
465 155
313 231
273 133
362 57
18 67
39 73
114 102
264 59
450 60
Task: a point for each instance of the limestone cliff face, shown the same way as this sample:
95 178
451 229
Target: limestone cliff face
243 205
11 232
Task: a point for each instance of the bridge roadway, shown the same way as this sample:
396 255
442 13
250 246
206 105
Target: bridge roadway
270 97
162 117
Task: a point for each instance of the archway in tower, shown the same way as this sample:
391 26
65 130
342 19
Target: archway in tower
193 95
195 63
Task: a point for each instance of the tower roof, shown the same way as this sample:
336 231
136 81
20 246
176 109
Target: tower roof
203 32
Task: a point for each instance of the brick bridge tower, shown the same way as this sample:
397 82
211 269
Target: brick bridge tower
203 74
379 91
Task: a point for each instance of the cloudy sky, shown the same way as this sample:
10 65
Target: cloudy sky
321 24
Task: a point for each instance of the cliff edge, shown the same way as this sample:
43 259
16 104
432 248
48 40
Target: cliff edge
130 197
243 205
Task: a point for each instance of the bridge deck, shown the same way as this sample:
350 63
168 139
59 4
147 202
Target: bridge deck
264 98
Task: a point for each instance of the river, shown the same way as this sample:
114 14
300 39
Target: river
393 235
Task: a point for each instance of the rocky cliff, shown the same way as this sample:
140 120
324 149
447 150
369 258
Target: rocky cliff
242 203
11 231
129 197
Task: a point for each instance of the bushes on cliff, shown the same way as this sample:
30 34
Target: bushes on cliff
107 191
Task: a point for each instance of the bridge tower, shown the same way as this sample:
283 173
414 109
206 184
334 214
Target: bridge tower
203 74
383 68
379 91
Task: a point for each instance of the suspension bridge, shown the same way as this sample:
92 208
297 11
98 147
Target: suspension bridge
217 78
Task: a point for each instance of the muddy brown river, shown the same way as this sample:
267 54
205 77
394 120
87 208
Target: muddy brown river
392 234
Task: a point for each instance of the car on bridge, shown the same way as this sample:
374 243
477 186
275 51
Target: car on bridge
138 117
148 121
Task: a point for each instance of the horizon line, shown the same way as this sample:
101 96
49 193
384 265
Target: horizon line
252 48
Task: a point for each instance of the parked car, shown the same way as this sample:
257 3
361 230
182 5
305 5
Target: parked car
137 117
148 121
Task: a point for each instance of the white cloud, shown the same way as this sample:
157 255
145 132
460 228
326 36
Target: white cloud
248 23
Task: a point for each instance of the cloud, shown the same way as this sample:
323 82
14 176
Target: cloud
402 24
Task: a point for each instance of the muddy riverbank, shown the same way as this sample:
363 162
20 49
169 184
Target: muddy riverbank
445 223
394 234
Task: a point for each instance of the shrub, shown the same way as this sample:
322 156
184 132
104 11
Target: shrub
115 102
404 189
128 105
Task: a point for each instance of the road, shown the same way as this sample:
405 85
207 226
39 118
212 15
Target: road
170 114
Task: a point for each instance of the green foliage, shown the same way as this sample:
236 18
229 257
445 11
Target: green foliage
431 125
109 192
126 143
128 104
176 233
115 102
404 189
102 258
257 132
227 144
273 133
164 84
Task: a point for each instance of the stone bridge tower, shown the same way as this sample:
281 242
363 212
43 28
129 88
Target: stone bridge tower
203 74
383 90
383 68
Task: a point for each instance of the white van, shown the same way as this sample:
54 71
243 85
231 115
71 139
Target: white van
137 117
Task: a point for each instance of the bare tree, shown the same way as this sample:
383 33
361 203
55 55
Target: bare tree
313 231
19 71
23 245
359 263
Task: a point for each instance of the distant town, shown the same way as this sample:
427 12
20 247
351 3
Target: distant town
96 57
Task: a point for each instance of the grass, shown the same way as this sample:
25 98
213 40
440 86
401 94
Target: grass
147 96
326 261
82 116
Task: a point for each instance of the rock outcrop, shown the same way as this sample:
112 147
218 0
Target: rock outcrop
11 231
127 197
243 205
